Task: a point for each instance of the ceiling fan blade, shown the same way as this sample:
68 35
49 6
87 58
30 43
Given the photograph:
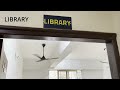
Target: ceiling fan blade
103 62
37 56
39 60
51 58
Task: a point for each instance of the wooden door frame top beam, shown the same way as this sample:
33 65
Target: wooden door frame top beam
17 30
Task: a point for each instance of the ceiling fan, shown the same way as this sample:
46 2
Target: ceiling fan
43 57
103 62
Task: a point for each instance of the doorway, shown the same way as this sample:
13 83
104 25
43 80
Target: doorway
13 32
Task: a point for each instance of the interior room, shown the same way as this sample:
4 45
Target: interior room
47 59
59 45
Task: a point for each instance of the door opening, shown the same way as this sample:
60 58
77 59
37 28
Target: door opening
13 32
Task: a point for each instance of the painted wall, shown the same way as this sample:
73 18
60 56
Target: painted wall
2 59
35 70
92 74
116 25
36 74
13 55
1 65
81 20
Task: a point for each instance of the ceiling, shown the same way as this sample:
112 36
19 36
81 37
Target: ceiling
78 52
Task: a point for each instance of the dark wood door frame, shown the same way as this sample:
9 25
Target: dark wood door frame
17 32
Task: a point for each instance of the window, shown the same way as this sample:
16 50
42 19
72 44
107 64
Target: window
53 74
72 74
65 74
62 74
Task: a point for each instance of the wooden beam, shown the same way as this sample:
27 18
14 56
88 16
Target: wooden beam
114 59
1 43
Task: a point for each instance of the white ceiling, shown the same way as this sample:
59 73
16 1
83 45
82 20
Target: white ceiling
30 47
88 51
81 52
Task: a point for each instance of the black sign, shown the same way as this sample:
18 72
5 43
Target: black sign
57 22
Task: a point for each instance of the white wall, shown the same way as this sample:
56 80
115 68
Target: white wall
92 74
106 71
1 66
35 70
2 59
36 74
14 69
81 20
79 64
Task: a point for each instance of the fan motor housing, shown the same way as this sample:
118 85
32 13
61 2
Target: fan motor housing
43 45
